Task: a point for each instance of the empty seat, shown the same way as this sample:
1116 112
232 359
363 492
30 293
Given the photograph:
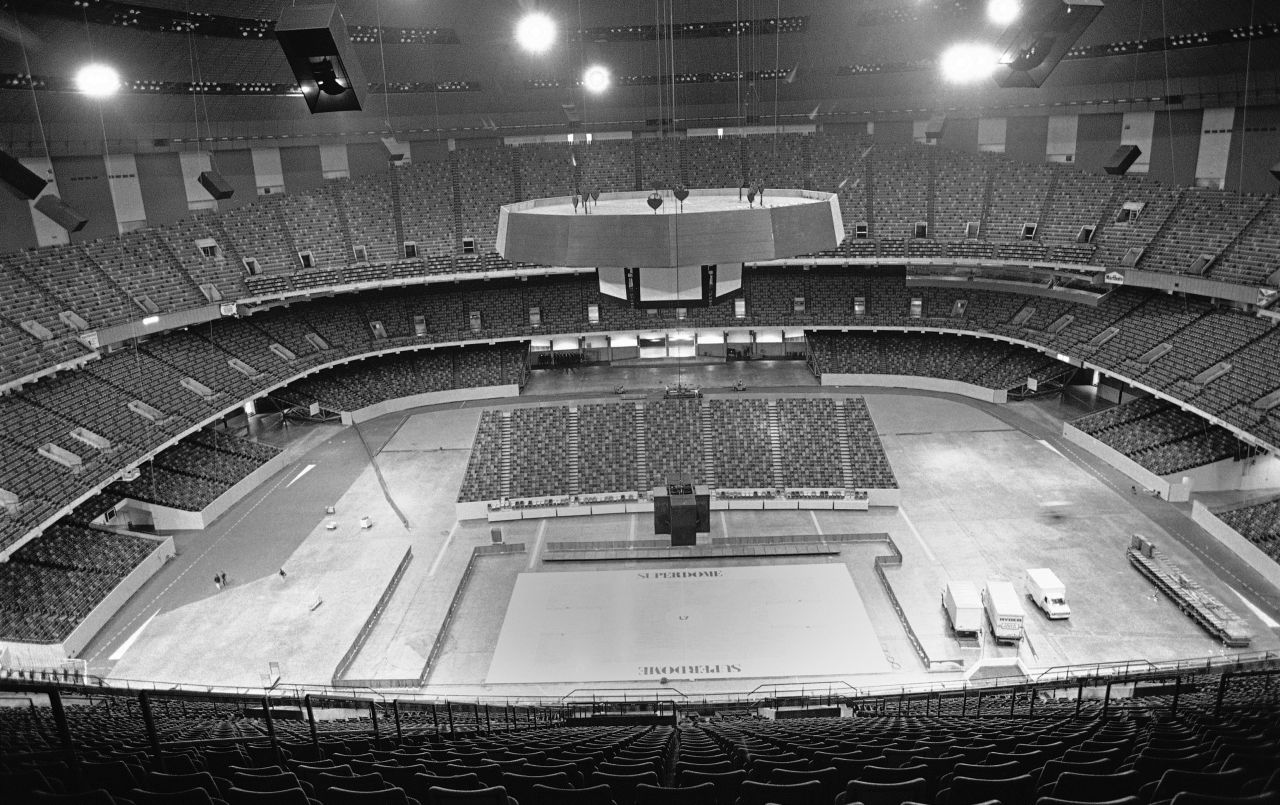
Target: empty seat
191 796
520 786
726 783
869 793
757 793
1019 790
493 795
623 785
391 795
592 795
693 795
1095 787
1264 798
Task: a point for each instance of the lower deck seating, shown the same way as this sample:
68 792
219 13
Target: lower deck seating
51 583
1160 436
980 362
1257 522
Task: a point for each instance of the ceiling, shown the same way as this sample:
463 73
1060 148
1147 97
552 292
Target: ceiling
849 58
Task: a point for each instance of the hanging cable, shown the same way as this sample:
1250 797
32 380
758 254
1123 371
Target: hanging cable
382 55
31 84
102 123
657 27
1244 106
777 68
671 45
1168 113
737 52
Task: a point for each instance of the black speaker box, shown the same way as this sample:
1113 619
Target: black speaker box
935 128
216 185
1122 160
18 180
315 40
58 211
1033 46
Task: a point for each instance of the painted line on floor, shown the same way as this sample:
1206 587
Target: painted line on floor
128 644
919 538
298 477
1270 622
1051 447
537 544
443 550
194 563
813 515
631 529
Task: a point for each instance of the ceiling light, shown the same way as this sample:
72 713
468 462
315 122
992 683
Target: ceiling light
596 79
967 63
536 33
1003 12
97 80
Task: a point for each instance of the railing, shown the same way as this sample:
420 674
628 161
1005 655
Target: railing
367 629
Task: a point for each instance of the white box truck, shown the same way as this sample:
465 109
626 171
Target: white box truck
1004 611
1048 592
964 609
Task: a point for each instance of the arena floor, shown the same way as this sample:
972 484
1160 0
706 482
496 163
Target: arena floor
974 478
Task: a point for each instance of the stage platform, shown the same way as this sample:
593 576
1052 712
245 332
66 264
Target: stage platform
691 622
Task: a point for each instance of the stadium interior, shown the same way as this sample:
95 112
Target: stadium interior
562 395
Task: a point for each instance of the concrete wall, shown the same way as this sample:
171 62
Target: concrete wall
430 398
1145 478
1237 544
919 383
1258 472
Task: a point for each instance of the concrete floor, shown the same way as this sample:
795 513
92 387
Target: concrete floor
973 477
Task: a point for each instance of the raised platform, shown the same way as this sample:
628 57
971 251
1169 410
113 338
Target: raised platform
685 623
625 553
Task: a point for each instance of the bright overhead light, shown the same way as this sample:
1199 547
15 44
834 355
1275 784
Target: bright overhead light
1003 12
596 79
536 32
967 63
97 80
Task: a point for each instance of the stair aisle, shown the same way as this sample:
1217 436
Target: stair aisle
504 464
642 454
708 446
842 434
574 464
775 445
